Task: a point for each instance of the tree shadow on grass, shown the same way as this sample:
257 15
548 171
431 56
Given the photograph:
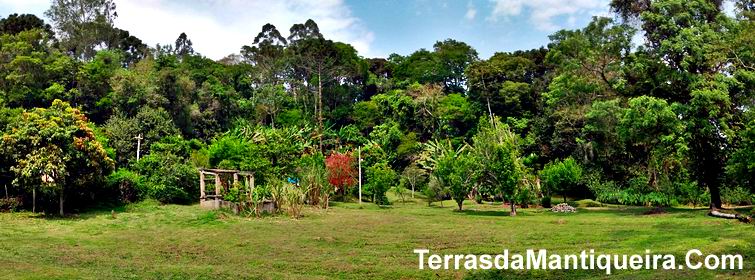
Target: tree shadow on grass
642 211
670 211
68 216
97 210
491 213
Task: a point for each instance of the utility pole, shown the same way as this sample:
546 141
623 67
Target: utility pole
360 175
138 146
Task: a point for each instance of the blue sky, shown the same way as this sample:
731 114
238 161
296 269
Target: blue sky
374 28
489 26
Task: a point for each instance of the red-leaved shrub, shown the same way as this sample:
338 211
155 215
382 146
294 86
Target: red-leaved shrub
340 171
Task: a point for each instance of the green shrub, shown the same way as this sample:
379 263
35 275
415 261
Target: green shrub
169 178
313 178
128 184
545 201
561 176
736 196
435 191
167 193
637 198
234 194
380 178
10 204
691 194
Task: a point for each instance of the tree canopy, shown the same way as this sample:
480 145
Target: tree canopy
661 121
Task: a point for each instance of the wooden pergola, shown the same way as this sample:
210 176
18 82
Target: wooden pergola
213 201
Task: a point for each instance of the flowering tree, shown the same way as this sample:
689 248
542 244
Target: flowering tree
340 171
55 149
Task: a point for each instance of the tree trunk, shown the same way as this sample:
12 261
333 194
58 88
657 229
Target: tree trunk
34 200
715 197
460 204
490 112
319 101
513 209
564 197
742 218
61 202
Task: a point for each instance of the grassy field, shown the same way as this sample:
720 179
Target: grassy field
348 241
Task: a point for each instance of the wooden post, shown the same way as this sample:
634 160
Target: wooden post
235 178
360 175
217 186
138 146
201 186
61 203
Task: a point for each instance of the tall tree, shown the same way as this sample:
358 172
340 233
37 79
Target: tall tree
83 25
16 23
133 48
318 63
454 57
183 46
501 168
501 84
266 54
32 72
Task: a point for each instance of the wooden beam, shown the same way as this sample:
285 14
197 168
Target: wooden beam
217 186
222 170
202 194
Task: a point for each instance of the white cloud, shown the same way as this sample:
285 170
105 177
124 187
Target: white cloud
220 27
471 12
541 13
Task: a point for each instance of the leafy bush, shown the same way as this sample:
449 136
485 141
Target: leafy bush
340 172
561 176
169 178
691 193
152 124
545 202
129 185
637 198
380 178
435 191
10 204
736 196
313 179
400 191
233 194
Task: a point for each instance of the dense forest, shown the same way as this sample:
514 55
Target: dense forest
662 121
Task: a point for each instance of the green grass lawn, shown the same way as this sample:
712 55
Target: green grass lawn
349 241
